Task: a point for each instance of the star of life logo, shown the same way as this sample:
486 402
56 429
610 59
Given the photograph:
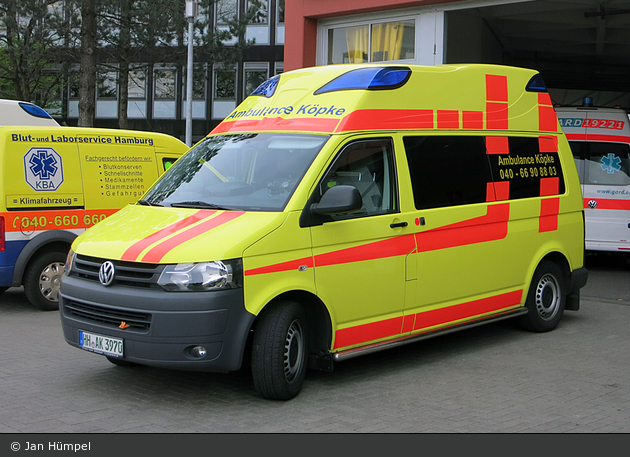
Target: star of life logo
43 169
611 163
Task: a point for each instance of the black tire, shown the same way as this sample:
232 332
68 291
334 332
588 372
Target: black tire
546 298
121 363
280 351
42 279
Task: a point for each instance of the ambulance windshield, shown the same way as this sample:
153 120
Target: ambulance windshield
247 172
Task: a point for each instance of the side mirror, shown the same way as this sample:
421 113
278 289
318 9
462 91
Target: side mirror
338 200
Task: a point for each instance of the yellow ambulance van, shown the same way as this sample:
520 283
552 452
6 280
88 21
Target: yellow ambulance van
339 210
600 140
57 181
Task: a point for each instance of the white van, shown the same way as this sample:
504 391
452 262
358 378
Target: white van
600 140
13 112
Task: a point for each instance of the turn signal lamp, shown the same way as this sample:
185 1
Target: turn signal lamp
372 78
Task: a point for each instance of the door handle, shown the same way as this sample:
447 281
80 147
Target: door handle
398 224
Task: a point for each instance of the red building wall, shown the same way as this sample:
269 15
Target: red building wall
300 43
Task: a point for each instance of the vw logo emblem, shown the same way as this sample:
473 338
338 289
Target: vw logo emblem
592 204
106 273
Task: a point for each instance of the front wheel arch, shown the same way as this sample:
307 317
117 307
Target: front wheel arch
52 240
318 319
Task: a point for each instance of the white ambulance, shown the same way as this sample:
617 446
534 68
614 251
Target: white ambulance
13 112
600 140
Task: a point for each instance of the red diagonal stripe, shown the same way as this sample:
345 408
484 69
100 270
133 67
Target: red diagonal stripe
324 125
135 249
400 245
375 119
156 254
368 332
283 266
467 310
493 226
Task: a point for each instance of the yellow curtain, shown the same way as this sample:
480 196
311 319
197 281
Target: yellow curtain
357 39
387 41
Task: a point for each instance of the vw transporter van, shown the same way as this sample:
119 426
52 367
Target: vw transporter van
339 210
600 140
57 181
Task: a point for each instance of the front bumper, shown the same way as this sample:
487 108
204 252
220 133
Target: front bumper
163 326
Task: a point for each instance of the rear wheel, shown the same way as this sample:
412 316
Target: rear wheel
42 279
280 351
545 299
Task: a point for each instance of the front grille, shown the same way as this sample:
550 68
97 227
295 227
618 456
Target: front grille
132 274
109 317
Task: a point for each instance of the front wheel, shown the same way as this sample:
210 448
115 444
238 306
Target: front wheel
42 279
545 299
280 351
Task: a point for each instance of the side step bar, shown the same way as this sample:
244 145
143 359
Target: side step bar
351 353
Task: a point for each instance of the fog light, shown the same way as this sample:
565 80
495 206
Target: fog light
198 352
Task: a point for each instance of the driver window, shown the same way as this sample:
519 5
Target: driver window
367 165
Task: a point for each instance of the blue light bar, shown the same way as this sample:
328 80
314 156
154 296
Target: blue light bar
34 110
268 88
371 78
536 84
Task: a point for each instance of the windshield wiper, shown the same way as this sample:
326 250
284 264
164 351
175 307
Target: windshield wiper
199 204
146 203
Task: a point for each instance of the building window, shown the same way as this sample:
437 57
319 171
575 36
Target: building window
258 28
225 84
280 25
164 80
224 92
164 93
254 77
198 92
260 14
106 85
137 83
378 42
226 10
137 93
107 95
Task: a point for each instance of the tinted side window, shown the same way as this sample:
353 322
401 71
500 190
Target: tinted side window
447 170
524 168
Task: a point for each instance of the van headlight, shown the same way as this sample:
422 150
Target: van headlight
202 276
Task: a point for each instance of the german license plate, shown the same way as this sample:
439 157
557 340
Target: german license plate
112 347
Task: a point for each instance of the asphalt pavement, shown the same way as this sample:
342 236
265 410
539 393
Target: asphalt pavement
495 378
